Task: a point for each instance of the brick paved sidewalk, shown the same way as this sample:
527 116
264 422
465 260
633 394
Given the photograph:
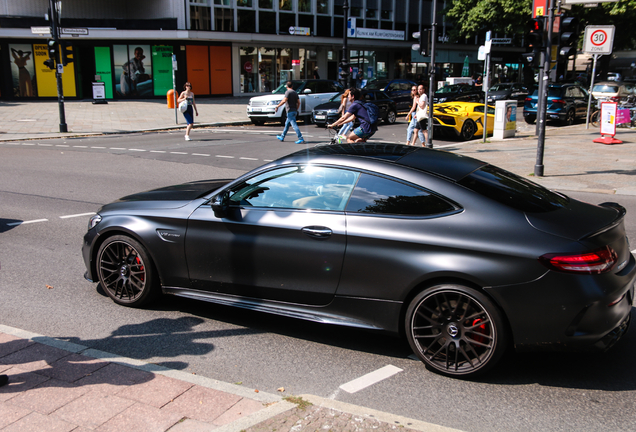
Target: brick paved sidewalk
60 386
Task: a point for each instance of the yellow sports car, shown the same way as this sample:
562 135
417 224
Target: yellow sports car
463 120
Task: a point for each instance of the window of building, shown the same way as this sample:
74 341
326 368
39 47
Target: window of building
323 26
267 22
244 3
249 69
305 20
223 19
285 5
286 20
246 20
304 5
222 2
322 7
266 4
200 18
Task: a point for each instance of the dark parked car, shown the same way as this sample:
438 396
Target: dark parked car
383 237
399 90
566 103
507 91
328 112
458 92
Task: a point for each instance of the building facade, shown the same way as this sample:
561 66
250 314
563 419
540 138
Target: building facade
223 47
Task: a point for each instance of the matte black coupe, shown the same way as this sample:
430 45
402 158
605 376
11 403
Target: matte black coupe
463 258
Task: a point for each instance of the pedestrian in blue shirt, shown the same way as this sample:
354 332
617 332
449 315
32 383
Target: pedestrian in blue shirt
357 111
291 102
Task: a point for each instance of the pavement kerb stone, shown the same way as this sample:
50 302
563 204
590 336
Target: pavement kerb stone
385 417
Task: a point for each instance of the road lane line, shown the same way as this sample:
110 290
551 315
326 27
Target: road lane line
61 145
246 158
157 151
140 150
180 153
370 379
80 146
45 145
98 147
27 222
77 215
117 148
229 157
200 154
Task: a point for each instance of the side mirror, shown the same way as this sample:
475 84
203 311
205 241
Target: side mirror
307 91
220 204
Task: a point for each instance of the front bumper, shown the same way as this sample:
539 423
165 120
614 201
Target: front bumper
265 112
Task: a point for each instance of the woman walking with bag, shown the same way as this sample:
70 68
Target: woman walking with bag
188 97
421 115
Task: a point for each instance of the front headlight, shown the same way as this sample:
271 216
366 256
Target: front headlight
442 99
274 102
92 223
332 111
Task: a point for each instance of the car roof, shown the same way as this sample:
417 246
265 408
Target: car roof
441 163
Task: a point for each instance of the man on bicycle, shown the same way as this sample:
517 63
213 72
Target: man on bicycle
357 111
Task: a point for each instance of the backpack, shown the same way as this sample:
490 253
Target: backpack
373 112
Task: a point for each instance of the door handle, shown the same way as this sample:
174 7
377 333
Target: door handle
317 232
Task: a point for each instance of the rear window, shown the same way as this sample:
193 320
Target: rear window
602 88
512 190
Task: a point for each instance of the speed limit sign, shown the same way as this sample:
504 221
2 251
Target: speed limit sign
598 39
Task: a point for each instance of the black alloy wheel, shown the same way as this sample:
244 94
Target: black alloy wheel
569 118
456 331
468 129
258 122
595 118
283 117
391 117
126 271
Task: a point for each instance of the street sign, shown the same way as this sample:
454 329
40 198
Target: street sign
41 30
598 39
74 31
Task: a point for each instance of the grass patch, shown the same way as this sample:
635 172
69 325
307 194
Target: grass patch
300 402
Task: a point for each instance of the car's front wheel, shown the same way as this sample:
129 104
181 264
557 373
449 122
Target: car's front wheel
455 330
529 119
569 118
391 117
469 128
126 271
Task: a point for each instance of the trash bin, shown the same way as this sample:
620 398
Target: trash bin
170 97
505 119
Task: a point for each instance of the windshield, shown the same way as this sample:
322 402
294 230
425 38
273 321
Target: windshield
376 85
454 88
296 85
500 87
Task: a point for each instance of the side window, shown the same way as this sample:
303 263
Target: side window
393 87
322 87
383 196
299 187
569 92
313 86
369 96
405 87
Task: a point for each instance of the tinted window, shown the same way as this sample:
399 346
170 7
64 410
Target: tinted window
300 187
480 109
512 190
383 196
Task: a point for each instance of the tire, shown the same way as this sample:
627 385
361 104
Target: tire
309 119
456 331
391 117
126 271
529 119
283 117
569 118
469 128
258 122
595 118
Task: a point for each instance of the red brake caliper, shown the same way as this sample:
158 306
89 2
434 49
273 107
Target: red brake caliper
481 329
140 268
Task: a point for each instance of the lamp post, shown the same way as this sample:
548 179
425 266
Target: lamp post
344 63
55 17
431 82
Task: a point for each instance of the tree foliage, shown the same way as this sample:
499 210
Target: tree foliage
472 18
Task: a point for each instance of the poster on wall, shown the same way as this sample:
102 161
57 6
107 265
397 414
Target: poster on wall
162 69
23 79
133 71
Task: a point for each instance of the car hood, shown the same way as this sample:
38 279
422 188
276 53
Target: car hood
177 195
327 106
575 221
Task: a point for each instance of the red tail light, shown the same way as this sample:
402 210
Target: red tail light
561 101
615 98
528 99
595 262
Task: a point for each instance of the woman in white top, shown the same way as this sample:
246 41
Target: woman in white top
421 115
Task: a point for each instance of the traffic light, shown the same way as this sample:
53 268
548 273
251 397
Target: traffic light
536 32
532 59
568 36
344 69
423 46
52 49
66 52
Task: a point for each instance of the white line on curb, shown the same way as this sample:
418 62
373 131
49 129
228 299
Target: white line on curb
370 379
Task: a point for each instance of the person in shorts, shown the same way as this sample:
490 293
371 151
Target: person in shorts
357 111
188 96
421 115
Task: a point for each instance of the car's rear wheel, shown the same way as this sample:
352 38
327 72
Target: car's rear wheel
455 330
126 271
391 117
468 129
258 122
569 118
529 119
595 118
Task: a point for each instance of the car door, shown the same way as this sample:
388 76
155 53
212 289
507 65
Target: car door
282 238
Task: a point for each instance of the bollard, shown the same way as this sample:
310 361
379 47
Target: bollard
170 97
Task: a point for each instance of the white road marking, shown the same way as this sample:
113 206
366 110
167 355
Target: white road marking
139 150
61 145
117 148
98 147
27 222
181 153
370 379
45 145
28 144
246 158
157 151
80 146
77 215
229 157
200 154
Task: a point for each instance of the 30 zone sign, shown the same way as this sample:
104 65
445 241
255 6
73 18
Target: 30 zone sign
598 39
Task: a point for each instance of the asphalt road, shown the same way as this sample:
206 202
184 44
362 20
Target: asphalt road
55 184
